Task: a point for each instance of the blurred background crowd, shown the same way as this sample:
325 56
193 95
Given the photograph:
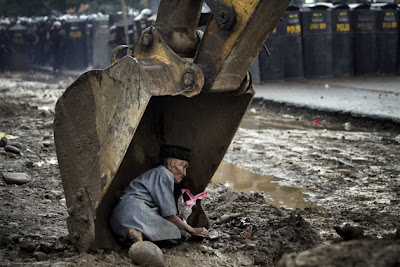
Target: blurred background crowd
312 40
38 34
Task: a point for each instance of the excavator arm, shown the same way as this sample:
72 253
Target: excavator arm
182 86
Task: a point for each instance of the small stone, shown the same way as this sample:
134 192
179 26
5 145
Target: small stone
228 217
250 247
145 253
63 201
29 164
47 137
46 247
18 178
48 124
47 143
349 232
16 144
3 141
13 224
16 239
12 149
45 113
12 155
27 245
225 236
40 256
25 127
217 245
224 219
206 249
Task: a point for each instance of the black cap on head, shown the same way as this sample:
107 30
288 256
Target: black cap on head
173 151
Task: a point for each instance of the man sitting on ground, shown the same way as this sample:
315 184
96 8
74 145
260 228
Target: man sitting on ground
148 205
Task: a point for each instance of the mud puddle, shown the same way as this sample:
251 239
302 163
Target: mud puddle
257 120
345 170
246 181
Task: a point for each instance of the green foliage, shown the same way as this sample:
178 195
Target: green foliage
58 5
143 4
105 6
22 8
44 7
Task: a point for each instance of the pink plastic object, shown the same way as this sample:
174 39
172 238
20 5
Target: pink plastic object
192 199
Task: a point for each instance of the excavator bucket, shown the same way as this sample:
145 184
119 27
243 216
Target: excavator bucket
181 87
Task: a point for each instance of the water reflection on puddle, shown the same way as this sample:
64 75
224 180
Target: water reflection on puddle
243 180
288 122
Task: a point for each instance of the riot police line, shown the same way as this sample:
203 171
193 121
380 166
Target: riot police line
66 42
323 40
332 40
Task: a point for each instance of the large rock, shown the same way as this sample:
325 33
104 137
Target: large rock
145 253
16 178
378 253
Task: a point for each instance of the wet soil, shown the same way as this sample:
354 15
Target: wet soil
346 170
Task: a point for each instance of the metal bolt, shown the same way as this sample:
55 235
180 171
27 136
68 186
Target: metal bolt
226 17
188 78
223 17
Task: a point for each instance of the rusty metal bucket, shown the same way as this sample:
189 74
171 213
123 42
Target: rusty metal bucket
108 130
179 89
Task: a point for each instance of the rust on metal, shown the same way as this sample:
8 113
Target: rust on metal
178 21
226 56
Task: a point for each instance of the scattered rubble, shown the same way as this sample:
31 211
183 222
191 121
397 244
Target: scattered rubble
352 175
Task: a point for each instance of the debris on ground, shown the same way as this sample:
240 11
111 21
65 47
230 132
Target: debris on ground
350 175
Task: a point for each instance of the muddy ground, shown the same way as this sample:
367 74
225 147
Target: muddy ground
347 168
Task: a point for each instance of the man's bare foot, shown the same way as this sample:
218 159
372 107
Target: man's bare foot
135 235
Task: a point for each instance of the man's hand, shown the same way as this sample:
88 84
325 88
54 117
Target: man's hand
201 232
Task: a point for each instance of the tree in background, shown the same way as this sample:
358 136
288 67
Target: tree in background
22 8
30 8
104 6
63 5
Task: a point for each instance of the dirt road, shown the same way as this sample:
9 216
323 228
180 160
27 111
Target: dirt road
347 170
